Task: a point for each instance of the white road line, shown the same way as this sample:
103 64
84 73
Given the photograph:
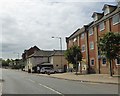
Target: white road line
31 80
47 87
51 89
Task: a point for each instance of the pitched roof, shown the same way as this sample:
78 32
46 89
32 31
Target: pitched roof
107 16
77 32
58 52
96 13
44 53
106 5
41 53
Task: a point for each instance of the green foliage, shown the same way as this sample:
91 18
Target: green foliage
73 54
5 63
14 64
109 45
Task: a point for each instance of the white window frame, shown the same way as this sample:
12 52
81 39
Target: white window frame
75 39
82 35
116 62
105 63
114 23
82 48
95 18
92 45
91 62
90 31
106 11
103 25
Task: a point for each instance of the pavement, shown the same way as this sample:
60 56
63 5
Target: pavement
1 81
0 88
94 78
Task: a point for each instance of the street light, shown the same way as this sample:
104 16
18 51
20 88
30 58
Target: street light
60 47
17 54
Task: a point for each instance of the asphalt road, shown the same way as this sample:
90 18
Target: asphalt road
17 82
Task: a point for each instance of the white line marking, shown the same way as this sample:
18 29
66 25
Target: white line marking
51 89
31 80
47 87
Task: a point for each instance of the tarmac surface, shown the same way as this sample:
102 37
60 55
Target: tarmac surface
18 82
87 78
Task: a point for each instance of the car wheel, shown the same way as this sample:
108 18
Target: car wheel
45 72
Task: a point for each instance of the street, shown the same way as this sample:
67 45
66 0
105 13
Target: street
17 82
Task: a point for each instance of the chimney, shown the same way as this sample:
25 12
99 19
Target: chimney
118 2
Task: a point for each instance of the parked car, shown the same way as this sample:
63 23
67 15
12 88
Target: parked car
47 70
59 70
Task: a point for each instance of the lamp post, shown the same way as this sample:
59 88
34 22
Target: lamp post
60 47
17 54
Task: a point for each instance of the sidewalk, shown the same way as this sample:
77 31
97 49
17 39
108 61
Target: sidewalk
0 88
93 78
1 81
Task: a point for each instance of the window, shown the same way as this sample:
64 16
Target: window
118 61
116 19
92 62
106 11
74 40
90 32
91 45
102 26
82 35
104 61
95 18
83 48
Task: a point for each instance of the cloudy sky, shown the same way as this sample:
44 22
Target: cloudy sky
26 23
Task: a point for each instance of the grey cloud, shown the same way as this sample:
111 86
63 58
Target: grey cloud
26 23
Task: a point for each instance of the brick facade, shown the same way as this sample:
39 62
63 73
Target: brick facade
108 21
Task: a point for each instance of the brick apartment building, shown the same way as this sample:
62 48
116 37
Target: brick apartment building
88 36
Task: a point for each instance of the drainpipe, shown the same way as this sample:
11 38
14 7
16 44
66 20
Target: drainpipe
99 57
88 53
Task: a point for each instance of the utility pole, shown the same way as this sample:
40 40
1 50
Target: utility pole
60 47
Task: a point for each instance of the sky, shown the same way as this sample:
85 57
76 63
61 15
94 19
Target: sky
26 23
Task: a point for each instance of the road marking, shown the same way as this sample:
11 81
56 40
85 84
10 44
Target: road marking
31 80
47 87
51 89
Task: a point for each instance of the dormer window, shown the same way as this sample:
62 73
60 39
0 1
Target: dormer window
106 11
95 18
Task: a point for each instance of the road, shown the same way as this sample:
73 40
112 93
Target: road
17 82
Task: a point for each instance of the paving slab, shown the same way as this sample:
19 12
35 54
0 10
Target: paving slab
95 78
0 88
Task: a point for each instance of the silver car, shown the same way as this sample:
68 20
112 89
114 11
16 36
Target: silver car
47 70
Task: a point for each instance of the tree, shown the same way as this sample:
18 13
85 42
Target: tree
109 45
4 63
73 55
